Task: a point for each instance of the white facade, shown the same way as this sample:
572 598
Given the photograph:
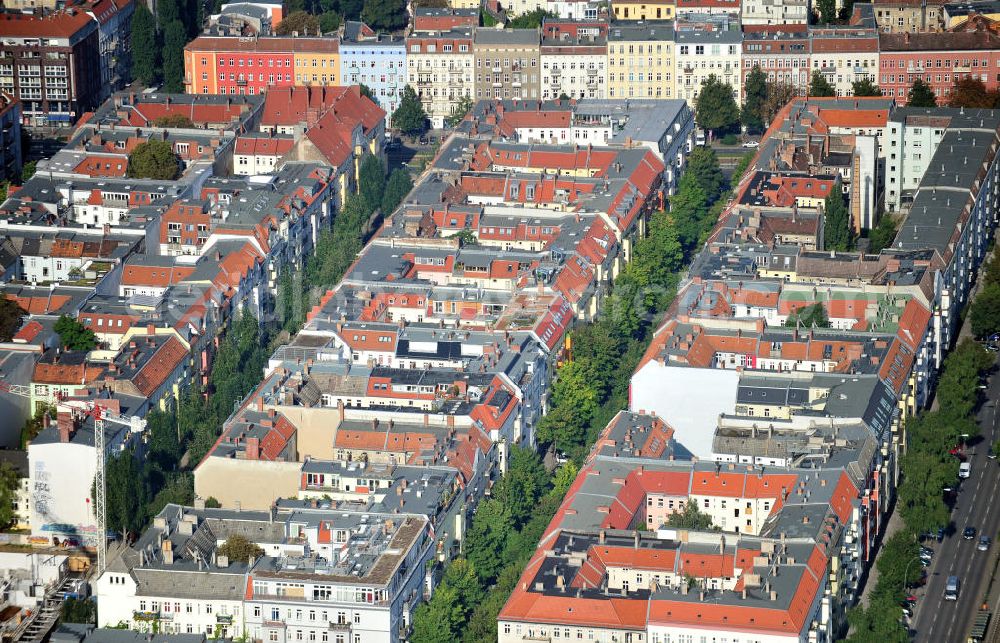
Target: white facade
908 154
698 55
842 68
775 12
212 615
574 9
575 73
253 164
440 77
40 269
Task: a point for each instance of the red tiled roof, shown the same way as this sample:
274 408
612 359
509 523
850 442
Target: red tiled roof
159 366
60 24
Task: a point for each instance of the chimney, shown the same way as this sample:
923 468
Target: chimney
150 329
253 449
66 426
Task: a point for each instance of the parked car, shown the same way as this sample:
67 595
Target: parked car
964 470
751 145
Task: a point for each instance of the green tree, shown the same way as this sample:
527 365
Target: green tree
174 39
78 610
819 86
703 165
440 619
484 543
755 92
385 15
827 10
239 548
11 316
367 93
154 160
73 335
971 92
298 22
565 475
144 46
396 189
836 222
523 484
530 20
882 235
467 237
984 315
688 208
371 182
813 316
329 21
715 107
865 87
690 518
34 425
28 171
165 448
461 577
10 482
125 494
174 120
921 95
779 94
458 111
409 117
167 11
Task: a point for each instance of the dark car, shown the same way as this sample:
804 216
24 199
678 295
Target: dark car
940 534
969 533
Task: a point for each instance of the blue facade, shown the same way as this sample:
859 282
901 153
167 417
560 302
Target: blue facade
377 61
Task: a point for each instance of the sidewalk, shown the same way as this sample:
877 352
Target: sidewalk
895 522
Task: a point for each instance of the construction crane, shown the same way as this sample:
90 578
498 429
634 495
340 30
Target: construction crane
101 415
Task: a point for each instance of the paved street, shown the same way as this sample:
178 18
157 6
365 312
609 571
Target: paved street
935 619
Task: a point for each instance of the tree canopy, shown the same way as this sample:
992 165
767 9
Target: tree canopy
779 94
690 518
882 234
410 117
396 189
715 107
385 15
755 96
458 111
371 182
972 92
11 316
174 39
298 22
921 95
984 316
836 222
827 10
813 316
865 87
239 548
73 335
530 20
154 160
144 46
173 120
10 482
819 86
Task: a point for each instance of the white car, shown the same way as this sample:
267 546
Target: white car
751 145
964 470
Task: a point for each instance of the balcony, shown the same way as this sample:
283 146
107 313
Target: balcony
497 70
689 70
340 627
591 71
241 81
269 622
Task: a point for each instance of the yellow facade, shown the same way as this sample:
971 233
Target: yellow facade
640 62
644 10
317 69
464 4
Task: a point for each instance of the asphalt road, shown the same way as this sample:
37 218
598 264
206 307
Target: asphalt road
936 620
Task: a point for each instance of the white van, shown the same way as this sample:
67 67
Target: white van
951 588
964 470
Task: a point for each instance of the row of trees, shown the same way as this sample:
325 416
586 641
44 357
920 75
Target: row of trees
984 313
180 437
927 469
158 41
503 535
589 389
592 386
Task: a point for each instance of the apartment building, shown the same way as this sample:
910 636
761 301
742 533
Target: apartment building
439 67
507 64
52 64
700 54
845 55
11 153
375 60
781 52
250 66
114 19
939 59
641 60
573 67
629 10
343 576
774 12
909 16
